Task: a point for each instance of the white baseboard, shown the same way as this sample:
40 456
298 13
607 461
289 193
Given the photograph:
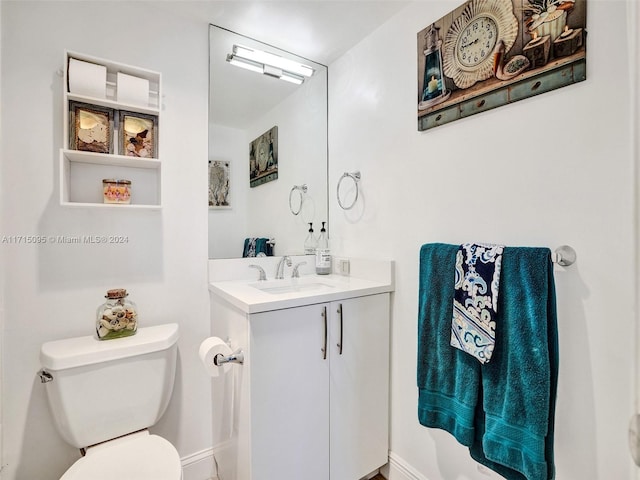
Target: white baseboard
399 469
198 466
201 466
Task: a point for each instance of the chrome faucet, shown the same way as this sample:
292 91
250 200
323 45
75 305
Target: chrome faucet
280 267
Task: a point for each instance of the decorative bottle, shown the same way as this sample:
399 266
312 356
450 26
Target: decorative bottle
117 317
323 256
310 243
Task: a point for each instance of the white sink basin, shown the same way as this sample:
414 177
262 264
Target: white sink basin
277 287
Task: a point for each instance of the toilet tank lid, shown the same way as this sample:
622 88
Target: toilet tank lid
78 351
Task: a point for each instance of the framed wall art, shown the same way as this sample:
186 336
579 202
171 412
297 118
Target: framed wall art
90 128
263 158
219 184
138 135
487 53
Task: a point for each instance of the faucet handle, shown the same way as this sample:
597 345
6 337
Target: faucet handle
262 276
295 273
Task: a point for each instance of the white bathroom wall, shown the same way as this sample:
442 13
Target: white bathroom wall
53 290
550 170
2 268
633 22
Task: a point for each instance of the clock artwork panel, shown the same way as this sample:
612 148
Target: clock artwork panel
263 158
487 53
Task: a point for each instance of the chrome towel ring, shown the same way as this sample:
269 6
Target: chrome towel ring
302 189
355 176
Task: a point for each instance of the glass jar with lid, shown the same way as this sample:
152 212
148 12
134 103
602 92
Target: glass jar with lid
117 317
116 191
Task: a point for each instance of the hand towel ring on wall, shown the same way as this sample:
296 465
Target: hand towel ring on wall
355 176
302 189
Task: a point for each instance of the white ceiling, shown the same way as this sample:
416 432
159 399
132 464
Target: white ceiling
317 30
320 30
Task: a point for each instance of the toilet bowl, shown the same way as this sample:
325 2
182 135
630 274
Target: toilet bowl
103 396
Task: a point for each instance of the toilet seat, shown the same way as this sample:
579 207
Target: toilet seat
138 456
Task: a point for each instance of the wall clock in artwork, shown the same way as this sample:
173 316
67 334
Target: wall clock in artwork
472 38
487 53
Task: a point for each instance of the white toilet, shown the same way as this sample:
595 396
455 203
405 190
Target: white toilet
105 394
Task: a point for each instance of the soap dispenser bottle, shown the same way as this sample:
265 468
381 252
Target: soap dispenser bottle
323 256
310 243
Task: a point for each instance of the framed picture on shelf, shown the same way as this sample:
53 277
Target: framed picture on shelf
219 185
138 135
90 128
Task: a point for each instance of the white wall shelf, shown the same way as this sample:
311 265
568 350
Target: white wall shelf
81 175
108 159
82 172
105 102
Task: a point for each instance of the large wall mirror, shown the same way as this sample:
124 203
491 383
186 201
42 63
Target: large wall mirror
261 117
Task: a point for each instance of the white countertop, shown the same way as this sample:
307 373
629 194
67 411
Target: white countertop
255 296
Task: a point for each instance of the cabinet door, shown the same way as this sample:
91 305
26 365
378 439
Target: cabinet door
289 394
359 401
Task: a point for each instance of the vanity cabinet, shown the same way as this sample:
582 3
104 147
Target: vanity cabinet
81 171
314 394
319 390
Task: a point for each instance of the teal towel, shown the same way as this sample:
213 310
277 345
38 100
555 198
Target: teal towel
253 247
504 410
448 378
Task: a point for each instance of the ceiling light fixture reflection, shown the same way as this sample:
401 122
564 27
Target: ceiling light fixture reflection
269 64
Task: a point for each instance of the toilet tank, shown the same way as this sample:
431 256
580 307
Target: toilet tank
103 389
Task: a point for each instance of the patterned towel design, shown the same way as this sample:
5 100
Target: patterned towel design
475 302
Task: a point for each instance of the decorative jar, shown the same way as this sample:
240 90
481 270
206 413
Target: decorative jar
116 191
117 317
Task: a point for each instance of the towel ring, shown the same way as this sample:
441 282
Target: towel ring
303 190
355 176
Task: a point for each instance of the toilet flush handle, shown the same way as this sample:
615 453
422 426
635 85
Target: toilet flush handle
45 377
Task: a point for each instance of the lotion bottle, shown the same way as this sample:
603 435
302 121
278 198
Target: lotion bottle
323 256
310 243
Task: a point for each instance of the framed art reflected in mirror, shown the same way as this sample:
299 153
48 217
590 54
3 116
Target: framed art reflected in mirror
219 186
263 158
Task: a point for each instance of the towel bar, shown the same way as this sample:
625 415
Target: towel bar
564 256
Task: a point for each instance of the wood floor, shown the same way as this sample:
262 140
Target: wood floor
378 477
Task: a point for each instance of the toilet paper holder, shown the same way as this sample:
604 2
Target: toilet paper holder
235 357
